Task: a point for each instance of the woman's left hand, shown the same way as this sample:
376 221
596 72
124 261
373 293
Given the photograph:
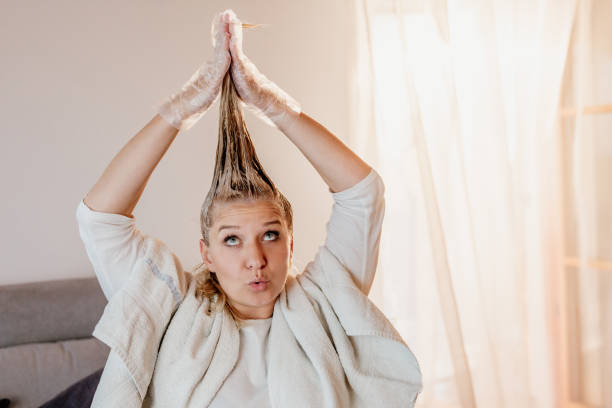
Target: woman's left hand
263 96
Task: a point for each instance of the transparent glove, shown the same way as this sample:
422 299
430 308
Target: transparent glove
262 96
185 107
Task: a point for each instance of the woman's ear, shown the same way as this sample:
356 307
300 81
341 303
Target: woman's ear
205 254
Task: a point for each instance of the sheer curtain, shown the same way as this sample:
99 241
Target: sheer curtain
457 105
586 126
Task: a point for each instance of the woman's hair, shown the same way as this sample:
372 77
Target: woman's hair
238 176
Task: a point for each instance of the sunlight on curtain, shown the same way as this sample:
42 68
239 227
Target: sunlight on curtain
463 101
586 128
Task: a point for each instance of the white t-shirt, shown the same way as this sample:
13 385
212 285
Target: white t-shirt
247 384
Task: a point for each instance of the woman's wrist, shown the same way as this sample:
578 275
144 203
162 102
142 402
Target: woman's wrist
282 110
286 121
184 108
169 111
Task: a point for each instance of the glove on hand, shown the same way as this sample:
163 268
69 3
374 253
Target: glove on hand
184 108
273 105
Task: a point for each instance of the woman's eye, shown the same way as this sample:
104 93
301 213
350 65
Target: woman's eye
232 241
270 235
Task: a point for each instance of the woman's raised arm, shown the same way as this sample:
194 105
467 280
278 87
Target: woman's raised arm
338 165
122 183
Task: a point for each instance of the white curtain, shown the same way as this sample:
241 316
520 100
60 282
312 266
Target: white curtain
457 105
586 127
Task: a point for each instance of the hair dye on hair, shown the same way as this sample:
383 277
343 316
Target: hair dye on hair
238 175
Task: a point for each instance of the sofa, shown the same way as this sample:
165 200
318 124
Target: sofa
45 338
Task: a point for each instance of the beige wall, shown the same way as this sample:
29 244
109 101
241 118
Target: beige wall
79 79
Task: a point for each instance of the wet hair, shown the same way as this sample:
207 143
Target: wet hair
238 176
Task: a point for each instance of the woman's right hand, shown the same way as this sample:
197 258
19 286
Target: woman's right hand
184 108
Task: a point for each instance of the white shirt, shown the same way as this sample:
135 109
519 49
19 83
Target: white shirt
247 384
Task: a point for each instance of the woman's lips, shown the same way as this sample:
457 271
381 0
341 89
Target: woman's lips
259 286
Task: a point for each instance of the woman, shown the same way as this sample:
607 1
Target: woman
240 330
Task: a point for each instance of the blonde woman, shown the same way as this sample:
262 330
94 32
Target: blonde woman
239 330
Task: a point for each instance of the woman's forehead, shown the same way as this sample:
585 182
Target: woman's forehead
258 211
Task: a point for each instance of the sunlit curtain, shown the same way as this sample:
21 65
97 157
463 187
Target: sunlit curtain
457 105
586 129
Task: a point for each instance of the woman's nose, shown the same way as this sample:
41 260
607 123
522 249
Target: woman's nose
255 259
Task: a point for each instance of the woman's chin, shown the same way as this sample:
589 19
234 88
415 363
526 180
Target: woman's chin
257 299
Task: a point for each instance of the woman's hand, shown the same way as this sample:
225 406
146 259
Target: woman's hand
265 98
184 108
338 165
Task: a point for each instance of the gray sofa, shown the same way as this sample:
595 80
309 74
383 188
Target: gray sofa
45 338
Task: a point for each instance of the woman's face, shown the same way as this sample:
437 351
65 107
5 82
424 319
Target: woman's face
249 241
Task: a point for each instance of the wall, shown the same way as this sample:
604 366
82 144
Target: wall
79 79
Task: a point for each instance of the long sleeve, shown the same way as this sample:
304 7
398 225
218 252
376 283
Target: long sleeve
354 228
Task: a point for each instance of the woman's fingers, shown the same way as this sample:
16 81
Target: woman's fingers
219 31
214 30
235 30
220 38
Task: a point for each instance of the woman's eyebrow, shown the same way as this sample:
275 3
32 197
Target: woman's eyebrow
238 227
227 226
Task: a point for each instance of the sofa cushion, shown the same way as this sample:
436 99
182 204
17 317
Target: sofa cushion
49 311
78 395
34 373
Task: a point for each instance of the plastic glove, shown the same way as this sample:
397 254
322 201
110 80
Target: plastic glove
184 108
273 105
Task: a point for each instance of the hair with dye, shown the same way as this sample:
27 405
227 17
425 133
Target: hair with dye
238 176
